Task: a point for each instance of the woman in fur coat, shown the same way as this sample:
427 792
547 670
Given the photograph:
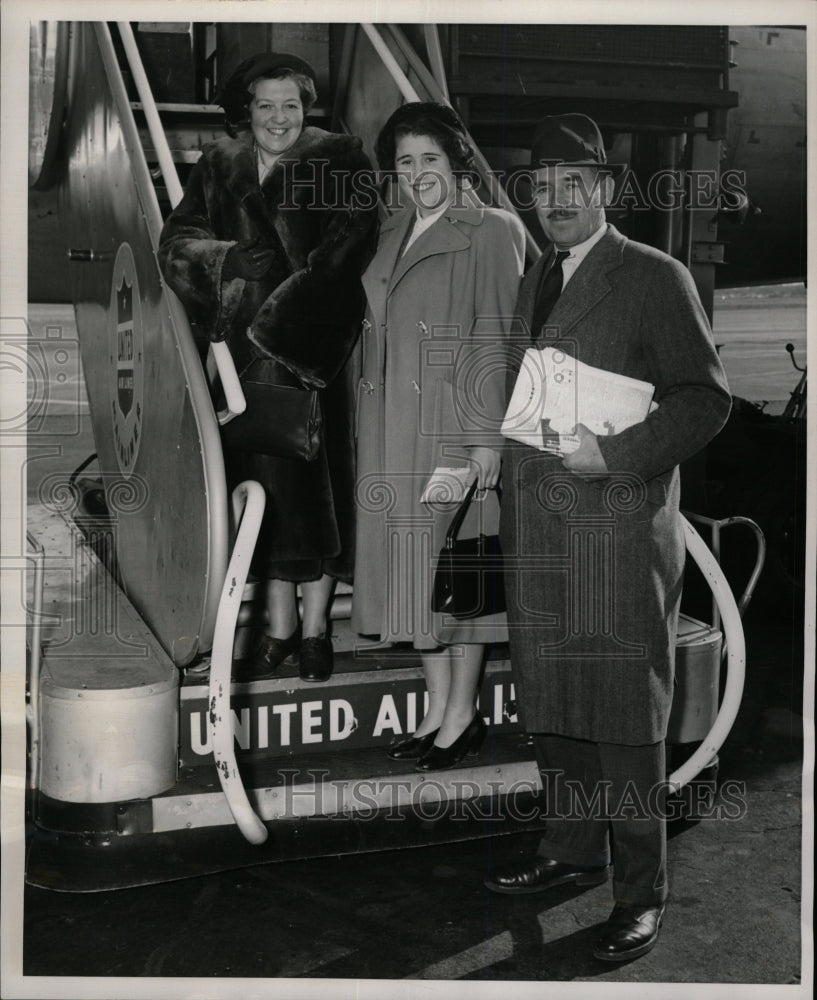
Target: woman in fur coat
265 250
441 291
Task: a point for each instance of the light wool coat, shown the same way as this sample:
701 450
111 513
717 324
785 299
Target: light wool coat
597 561
432 386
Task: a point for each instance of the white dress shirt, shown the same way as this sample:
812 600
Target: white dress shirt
579 252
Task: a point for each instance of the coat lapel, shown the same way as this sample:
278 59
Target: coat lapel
526 300
444 236
239 167
590 284
378 274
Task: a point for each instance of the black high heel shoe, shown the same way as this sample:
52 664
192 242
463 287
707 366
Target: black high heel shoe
411 747
469 741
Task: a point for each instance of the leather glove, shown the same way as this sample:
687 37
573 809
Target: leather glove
247 259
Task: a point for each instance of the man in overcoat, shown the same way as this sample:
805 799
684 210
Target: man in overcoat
594 542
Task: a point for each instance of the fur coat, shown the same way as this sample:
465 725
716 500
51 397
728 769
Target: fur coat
315 209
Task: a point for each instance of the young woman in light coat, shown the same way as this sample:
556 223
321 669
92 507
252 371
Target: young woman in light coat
440 292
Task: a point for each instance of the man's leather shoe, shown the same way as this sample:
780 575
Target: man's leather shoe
538 874
630 932
267 656
316 660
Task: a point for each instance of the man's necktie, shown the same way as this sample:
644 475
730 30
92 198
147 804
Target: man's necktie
549 291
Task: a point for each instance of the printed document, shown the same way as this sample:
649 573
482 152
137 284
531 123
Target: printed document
554 392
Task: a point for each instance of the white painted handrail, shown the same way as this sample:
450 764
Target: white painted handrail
37 556
248 509
736 659
233 394
154 122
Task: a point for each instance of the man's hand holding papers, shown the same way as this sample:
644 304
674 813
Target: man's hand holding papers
561 406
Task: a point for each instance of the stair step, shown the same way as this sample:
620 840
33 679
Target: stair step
353 782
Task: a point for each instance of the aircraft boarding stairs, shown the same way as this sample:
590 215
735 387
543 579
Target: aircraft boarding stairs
302 766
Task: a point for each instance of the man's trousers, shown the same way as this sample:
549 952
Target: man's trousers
605 798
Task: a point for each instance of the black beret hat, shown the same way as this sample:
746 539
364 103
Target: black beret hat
419 114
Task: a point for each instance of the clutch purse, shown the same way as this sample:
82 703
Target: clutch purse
469 580
282 418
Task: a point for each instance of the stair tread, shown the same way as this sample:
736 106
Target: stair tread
360 763
349 662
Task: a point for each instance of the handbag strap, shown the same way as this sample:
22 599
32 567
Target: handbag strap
459 517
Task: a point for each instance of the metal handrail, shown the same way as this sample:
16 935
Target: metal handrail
220 353
248 509
33 708
736 666
716 525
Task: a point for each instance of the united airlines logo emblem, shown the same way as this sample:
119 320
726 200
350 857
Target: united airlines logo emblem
124 347
126 359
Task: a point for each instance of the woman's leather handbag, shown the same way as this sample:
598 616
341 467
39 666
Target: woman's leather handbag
282 418
469 580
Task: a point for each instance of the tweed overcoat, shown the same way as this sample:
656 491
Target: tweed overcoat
432 386
596 562
305 313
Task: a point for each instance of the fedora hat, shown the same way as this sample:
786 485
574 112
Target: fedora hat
573 140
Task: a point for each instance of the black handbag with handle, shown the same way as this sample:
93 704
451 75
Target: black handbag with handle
282 417
469 580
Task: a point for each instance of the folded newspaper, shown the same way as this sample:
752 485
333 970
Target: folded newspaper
554 392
